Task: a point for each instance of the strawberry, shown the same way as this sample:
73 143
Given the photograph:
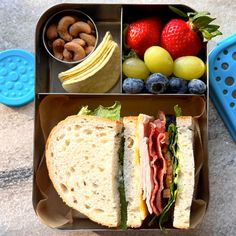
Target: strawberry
184 38
179 39
143 34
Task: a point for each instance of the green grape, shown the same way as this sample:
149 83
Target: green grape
189 67
158 60
135 68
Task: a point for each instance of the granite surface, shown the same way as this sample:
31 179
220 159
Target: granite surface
17 217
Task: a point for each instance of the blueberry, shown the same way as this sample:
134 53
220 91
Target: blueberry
132 85
178 85
157 83
196 86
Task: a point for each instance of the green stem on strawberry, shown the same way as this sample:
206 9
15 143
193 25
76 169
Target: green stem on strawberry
200 22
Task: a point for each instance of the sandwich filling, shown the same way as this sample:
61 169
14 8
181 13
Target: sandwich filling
157 142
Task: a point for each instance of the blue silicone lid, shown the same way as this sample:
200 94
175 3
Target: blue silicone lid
222 77
16 77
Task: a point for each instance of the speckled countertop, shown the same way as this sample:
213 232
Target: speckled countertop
17 25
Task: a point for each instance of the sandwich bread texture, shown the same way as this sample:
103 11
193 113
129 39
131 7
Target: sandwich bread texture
82 160
186 171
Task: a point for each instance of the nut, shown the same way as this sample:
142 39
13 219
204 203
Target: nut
79 27
88 38
58 47
89 49
67 55
63 26
81 42
52 32
77 49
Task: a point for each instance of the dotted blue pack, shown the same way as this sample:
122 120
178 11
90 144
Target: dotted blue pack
222 77
16 77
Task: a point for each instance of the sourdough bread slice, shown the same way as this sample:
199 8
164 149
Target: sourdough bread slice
136 208
186 172
82 160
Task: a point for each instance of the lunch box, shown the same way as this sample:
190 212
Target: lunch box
53 103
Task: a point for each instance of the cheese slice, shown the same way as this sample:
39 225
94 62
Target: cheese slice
136 208
142 204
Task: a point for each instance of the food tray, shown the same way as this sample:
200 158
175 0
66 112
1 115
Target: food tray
48 89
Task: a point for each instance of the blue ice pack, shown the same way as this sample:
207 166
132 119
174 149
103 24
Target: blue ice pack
222 78
16 77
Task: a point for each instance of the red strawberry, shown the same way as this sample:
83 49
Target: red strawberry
179 39
143 34
182 38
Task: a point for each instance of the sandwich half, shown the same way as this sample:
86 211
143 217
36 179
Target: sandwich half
159 169
82 160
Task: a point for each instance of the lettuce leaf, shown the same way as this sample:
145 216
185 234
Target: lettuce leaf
121 188
85 111
178 110
173 148
112 112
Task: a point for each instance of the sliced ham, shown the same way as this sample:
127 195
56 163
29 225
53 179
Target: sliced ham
155 166
161 116
153 158
162 168
156 139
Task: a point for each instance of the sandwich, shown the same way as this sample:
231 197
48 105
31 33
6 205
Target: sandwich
124 172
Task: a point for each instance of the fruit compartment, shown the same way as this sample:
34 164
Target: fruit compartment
106 17
133 13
